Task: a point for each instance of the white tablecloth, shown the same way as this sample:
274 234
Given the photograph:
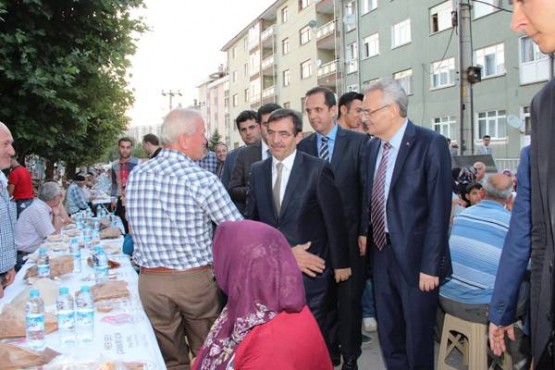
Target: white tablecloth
124 334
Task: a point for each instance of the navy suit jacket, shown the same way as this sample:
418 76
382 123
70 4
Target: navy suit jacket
228 166
349 164
242 169
311 208
516 250
418 204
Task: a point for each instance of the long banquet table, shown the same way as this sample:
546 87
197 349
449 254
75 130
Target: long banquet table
121 335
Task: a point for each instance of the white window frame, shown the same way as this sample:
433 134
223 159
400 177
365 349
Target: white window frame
440 17
284 14
526 118
405 79
247 95
492 123
444 125
303 4
481 10
350 11
234 76
305 35
491 59
235 99
366 6
246 69
351 57
285 46
442 73
306 69
400 33
533 64
286 78
372 45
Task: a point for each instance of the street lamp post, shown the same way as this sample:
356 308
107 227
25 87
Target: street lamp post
171 94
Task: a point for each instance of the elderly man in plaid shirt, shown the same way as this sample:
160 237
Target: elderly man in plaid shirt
171 205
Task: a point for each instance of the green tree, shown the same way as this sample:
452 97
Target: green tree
214 139
63 69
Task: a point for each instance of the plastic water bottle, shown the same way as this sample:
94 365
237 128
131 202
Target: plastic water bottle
43 264
66 316
95 237
84 315
87 236
75 251
100 261
34 321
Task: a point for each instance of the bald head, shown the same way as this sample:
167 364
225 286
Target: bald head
498 187
6 146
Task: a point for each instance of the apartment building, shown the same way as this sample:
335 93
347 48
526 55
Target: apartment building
212 102
297 44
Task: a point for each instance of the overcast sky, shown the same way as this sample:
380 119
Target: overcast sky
182 49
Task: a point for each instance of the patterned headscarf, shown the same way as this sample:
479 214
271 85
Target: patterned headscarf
255 267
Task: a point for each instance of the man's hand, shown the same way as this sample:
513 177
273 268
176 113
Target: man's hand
308 263
7 280
428 282
362 245
497 337
342 274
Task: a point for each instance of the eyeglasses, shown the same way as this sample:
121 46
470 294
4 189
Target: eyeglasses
371 112
281 134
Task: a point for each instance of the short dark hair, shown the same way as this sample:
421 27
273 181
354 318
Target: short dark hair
125 139
151 138
486 137
347 99
245 116
329 95
293 114
265 109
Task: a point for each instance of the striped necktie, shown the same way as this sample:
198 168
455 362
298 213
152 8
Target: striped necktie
378 200
324 152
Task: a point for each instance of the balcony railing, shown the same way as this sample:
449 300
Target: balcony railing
268 32
268 62
268 92
325 30
327 69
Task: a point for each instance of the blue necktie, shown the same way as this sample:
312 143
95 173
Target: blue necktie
324 152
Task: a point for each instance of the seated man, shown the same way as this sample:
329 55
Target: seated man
476 242
75 198
43 217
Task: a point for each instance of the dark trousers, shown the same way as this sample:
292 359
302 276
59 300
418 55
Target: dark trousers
317 290
120 211
345 312
20 262
405 315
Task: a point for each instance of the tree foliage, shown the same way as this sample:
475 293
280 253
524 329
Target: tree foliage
214 139
63 65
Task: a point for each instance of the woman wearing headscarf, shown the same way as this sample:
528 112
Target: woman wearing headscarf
266 323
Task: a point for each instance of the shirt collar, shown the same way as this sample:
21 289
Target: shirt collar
331 135
287 162
396 139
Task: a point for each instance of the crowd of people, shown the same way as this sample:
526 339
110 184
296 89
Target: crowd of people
362 224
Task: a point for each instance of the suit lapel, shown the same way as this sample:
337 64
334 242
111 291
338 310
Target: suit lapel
267 184
338 148
373 155
404 149
294 178
312 147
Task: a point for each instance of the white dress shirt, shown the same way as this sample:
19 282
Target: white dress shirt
285 173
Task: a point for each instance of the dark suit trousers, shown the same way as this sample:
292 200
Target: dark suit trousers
405 316
317 290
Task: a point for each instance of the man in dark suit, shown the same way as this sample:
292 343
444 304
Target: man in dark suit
249 155
535 18
295 193
346 152
250 134
409 193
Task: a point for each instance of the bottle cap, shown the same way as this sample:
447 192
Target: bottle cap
42 250
64 290
33 293
85 288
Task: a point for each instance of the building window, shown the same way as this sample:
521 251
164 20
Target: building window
233 52
303 4
440 17
405 79
534 66
286 77
306 69
353 87
305 34
400 33
492 60
368 5
247 96
235 100
352 57
350 17
371 45
284 14
527 118
443 125
285 46
246 44
485 7
246 69
234 76
443 73
492 123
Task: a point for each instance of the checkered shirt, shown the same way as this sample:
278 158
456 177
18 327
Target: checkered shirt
75 199
209 163
170 205
7 222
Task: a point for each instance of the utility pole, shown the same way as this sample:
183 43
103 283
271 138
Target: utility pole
465 61
171 94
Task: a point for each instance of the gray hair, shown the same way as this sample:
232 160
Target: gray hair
393 93
178 122
48 191
497 188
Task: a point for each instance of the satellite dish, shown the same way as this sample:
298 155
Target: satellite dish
312 23
514 121
349 19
